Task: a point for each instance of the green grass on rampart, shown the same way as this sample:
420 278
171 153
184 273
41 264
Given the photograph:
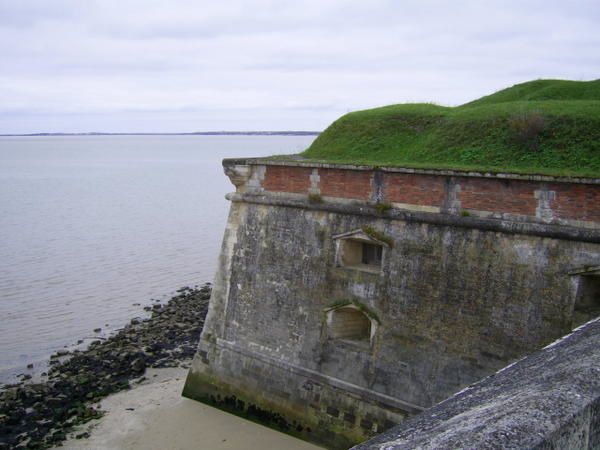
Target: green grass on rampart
540 127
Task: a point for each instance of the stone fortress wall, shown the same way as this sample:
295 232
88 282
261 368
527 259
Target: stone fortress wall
348 298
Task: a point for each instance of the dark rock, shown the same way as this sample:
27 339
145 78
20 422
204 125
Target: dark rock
138 364
58 436
40 415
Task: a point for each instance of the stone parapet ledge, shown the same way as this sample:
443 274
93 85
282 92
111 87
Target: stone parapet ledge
563 201
549 400
299 162
365 209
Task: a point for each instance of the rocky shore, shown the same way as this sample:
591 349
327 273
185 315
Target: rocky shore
36 415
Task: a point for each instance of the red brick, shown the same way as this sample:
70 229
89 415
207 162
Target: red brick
414 189
573 201
500 196
287 179
345 183
576 201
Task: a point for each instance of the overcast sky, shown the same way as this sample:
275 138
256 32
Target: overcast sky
179 65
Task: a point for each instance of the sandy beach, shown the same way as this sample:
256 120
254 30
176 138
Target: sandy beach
136 378
154 416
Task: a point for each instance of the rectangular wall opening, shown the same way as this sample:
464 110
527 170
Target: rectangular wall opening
587 301
350 324
372 254
360 255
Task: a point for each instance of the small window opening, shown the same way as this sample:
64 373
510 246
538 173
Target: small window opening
587 302
371 254
360 254
351 324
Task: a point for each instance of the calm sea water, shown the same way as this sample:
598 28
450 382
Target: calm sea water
91 225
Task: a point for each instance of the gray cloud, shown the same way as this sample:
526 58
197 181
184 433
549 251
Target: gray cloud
185 65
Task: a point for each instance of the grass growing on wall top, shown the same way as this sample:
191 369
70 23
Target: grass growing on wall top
543 126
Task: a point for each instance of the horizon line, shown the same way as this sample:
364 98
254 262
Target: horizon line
193 133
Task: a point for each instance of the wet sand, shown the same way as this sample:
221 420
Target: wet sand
154 416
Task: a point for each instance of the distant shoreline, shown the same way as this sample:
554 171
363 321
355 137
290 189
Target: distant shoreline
198 133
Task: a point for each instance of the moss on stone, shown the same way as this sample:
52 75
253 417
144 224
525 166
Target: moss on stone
378 235
303 424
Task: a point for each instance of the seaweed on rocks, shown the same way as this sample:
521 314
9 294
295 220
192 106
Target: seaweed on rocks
37 415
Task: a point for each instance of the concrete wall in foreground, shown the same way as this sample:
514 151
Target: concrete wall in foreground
549 400
456 296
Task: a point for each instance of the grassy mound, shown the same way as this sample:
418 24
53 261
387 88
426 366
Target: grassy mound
543 126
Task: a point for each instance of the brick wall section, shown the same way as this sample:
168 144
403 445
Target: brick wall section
576 201
572 201
346 183
415 189
501 196
287 179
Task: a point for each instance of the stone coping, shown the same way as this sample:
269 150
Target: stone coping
553 231
438 172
